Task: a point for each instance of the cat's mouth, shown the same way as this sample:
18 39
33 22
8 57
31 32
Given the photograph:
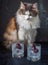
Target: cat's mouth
28 17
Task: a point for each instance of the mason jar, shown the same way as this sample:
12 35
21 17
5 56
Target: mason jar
17 50
34 52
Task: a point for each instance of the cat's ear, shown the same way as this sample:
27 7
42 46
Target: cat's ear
22 6
35 7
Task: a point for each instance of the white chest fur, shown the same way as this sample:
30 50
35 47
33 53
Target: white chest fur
23 22
26 27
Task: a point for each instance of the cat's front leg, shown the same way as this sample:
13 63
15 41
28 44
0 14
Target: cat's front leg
21 34
34 34
31 36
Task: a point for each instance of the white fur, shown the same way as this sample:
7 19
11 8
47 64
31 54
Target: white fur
21 33
26 25
23 22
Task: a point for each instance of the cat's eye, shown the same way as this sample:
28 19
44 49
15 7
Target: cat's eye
22 11
25 4
34 13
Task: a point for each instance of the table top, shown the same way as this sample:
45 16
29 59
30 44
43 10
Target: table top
24 61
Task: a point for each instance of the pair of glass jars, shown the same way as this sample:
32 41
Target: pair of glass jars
33 51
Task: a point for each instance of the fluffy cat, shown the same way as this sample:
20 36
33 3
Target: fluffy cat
10 34
28 20
24 25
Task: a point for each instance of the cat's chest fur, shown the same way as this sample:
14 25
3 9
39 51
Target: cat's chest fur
27 24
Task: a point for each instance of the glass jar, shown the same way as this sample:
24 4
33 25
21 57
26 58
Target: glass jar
17 50
34 52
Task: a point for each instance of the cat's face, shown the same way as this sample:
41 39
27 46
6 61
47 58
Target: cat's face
28 10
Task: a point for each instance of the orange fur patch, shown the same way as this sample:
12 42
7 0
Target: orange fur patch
12 24
10 34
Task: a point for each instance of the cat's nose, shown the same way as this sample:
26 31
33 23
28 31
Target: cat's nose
29 18
26 17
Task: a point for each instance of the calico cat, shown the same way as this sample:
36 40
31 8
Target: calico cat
24 25
10 34
28 20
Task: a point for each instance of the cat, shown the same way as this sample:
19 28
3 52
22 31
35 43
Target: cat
23 26
10 34
27 17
